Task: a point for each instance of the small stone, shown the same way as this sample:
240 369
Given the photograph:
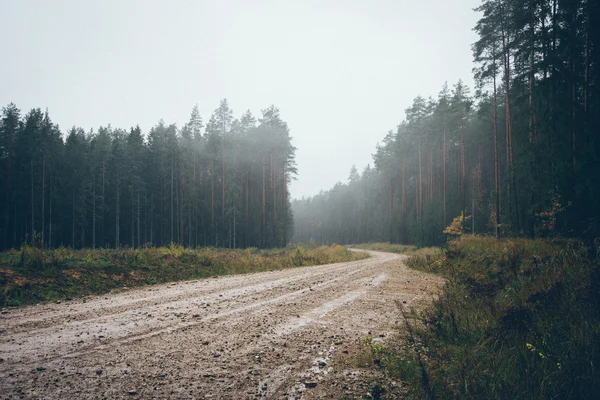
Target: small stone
132 392
205 343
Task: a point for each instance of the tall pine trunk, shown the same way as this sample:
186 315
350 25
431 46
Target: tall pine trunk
50 212
9 194
132 191
263 204
444 171
496 155
180 202
118 211
511 189
102 211
420 201
32 208
139 236
94 211
43 199
172 200
73 219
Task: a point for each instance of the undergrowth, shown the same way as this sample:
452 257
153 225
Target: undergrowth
518 319
31 275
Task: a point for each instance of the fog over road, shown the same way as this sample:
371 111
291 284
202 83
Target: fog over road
273 335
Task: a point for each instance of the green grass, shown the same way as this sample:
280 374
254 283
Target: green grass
31 275
517 319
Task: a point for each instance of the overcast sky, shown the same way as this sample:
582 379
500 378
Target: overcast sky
341 72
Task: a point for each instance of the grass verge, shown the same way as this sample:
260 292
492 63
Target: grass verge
518 318
31 275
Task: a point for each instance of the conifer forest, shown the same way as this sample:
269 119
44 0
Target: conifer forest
517 155
213 255
222 184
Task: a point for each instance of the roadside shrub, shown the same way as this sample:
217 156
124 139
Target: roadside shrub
518 318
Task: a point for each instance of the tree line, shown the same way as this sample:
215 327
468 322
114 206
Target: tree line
520 155
224 184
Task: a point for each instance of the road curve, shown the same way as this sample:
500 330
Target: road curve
262 335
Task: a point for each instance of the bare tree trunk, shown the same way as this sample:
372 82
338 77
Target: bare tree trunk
473 215
146 217
444 162
463 183
172 199
139 236
263 203
273 184
118 211
284 196
403 190
573 100
234 221
94 211
430 178
511 189
417 200
223 187
420 205
496 158
162 207
73 220
587 63
15 225
32 209
151 219
103 209
9 194
212 196
531 75
391 209
131 191
246 212
180 202
50 212
43 199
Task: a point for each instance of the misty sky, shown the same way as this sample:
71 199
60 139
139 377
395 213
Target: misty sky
341 72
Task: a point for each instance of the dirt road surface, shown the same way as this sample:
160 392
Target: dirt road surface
266 335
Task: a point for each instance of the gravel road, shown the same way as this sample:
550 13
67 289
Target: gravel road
266 335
